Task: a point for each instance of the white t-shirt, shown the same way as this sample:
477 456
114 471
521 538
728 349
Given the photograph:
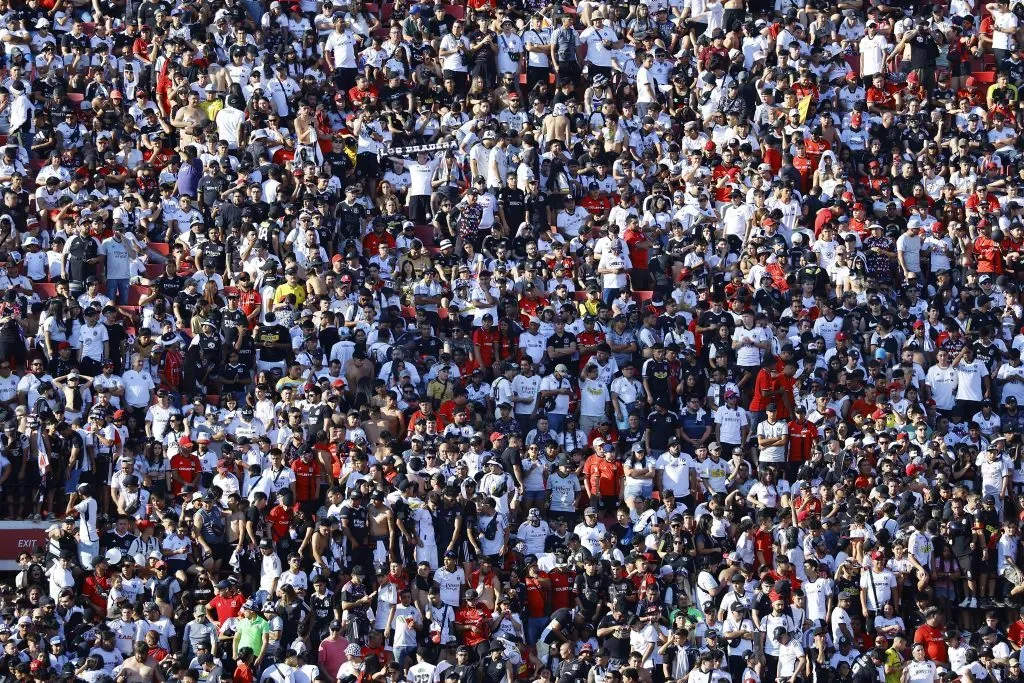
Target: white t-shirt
675 472
450 584
1004 25
771 431
969 380
597 53
91 339
872 54
732 423
884 584
746 355
419 178
454 62
789 656
942 382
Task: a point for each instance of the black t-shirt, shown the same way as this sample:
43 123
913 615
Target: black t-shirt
715 320
513 201
229 322
357 521
272 334
169 286
562 341
186 303
564 619
662 427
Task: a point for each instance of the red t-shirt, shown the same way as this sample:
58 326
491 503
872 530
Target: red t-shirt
243 674
280 520
227 608
307 480
801 440
764 381
763 542
561 590
186 466
485 341
536 597
1015 634
934 643
477 619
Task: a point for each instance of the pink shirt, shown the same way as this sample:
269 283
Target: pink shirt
332 655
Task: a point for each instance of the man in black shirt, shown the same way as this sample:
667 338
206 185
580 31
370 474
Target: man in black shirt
512 204
655 374
662 428
562 345
170 284
185 302
81 254
495 668
273 342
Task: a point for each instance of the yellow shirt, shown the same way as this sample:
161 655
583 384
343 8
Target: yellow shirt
298 289
211 107
894 660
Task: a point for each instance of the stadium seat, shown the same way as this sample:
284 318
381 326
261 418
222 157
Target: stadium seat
89 28
409 312
456 12
579 296
45 290
162 248
213 399
643 295
135 292
984 77
76 99
442 313
154 270
425 233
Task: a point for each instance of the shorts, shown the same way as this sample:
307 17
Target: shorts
368 166
638 491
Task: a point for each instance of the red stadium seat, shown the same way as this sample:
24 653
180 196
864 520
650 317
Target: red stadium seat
984 77
425 233
643 295
409 312
76 99
212 399
579 296
162 248
89 28
154 270
45 290
135 292
456 12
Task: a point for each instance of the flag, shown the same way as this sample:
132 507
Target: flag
803 107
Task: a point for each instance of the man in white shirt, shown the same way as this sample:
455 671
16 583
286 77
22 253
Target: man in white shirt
614 269
874 49
600 40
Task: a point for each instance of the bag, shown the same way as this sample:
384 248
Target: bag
1013 575
491 530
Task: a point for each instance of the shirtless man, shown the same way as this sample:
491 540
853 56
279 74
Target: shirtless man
378 516
556 125
359 367
306 148
189 120
140 667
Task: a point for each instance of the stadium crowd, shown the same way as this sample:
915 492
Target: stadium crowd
666 341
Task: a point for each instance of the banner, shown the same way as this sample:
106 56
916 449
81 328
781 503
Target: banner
416 149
